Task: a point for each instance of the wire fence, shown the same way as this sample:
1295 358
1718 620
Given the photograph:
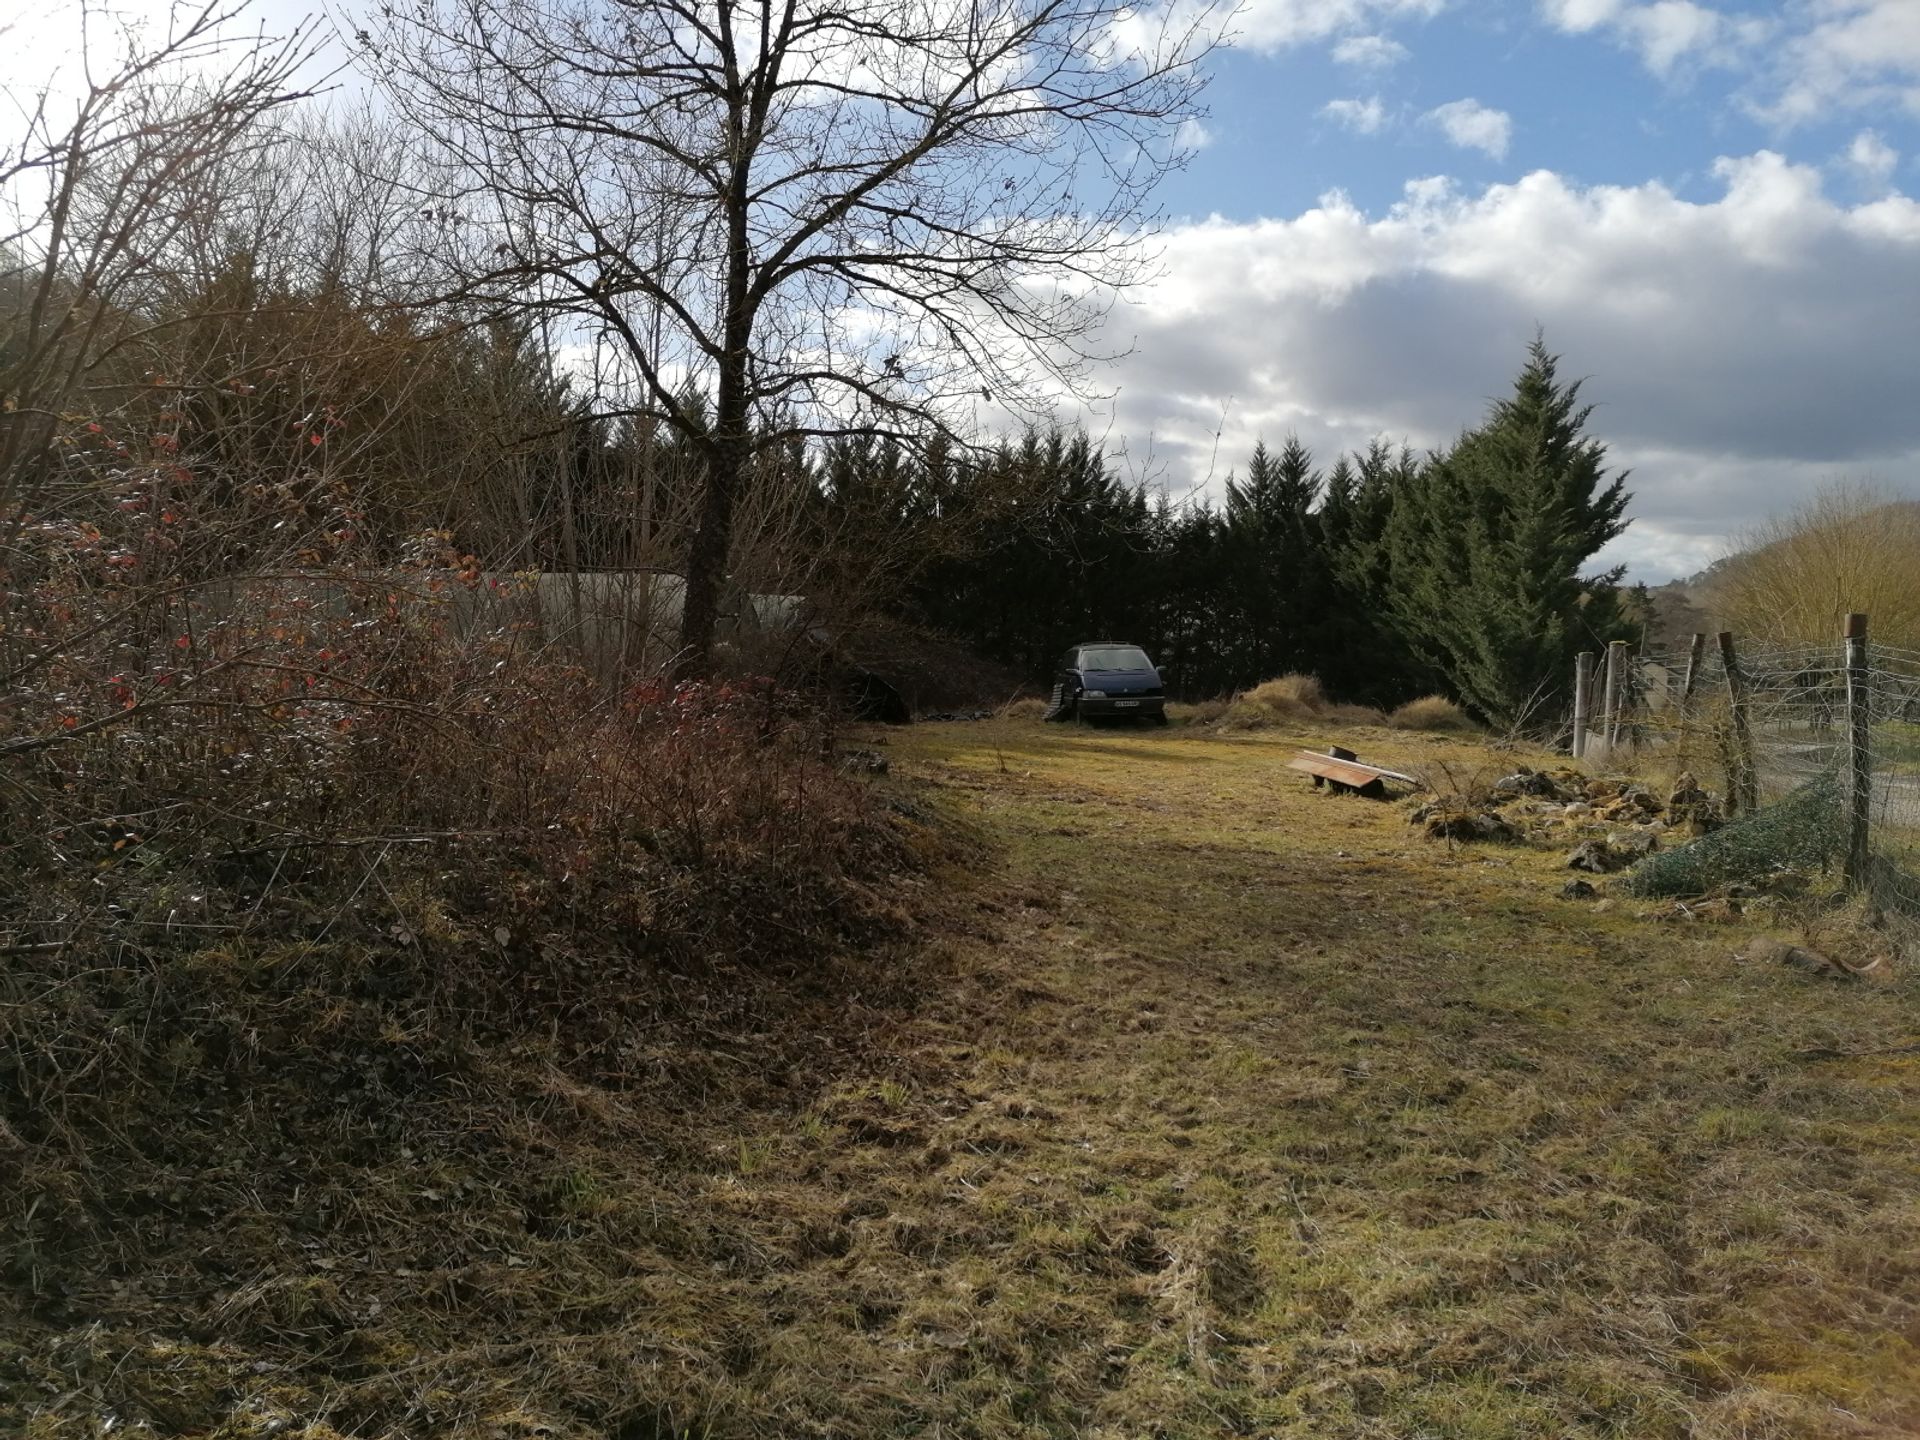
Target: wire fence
1816 748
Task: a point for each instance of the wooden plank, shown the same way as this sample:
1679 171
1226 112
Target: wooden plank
1345 772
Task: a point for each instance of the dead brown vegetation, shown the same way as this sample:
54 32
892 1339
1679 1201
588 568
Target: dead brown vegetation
1798 574
1431 712
1287 699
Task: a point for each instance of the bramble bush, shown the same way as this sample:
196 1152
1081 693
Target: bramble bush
195 748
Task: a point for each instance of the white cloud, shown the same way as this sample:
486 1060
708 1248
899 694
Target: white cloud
1856 55
1473 126
1872 160
1576 17
1370 52
1277 24
1672 30
1663 33
1363 117
1801 62
1741 348
1192 134
1273 25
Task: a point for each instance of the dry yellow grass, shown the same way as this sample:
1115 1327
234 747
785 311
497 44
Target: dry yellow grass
1289 699
1431 712
1220 1106
1300 694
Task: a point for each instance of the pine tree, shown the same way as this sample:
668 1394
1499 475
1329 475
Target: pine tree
1366 657
1274 562
1486 549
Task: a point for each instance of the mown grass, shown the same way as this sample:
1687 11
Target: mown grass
1213 1105
1421 1147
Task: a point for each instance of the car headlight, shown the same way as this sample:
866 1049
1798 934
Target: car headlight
1093 694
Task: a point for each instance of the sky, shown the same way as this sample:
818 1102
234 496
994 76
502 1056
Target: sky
1707 210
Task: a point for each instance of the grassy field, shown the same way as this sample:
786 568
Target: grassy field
1277 1119
1214 1105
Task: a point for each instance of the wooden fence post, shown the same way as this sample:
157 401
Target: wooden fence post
1696 648
1683 708
1582 700
1616 689
1859 751
1743 784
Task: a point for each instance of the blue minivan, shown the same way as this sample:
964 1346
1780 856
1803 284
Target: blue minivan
1108 680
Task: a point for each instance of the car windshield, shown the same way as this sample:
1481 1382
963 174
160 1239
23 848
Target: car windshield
1115 657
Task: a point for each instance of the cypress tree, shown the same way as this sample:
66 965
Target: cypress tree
1273 561
1486 549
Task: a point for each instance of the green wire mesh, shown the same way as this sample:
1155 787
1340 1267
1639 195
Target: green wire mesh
1805 828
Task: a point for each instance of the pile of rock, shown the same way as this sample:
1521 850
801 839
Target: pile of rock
1613 822
1444 822
1693 808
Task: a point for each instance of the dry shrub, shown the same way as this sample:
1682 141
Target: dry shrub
1851 547
318 912
1290 695
1431 712
1028 707
1291 698
290 756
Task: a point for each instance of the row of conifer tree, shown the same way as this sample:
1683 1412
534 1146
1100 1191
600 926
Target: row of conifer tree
1387 574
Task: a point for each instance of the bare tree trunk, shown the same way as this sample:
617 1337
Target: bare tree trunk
731 449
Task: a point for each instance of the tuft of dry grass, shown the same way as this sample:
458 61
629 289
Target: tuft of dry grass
1432 713
1199 712
1293 694
1027 707
1288 700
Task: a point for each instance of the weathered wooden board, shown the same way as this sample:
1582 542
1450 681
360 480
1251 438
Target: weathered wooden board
1350 773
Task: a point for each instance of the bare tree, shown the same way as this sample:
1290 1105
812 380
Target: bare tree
794 218
1851 545
95 188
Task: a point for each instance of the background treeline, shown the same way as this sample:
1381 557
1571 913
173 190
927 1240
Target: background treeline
1387 574
279 410
235 354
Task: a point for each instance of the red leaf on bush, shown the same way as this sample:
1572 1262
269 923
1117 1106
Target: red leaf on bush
313 439
67 722
185 642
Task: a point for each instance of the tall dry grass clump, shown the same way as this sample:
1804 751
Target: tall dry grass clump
1290 695
1431 712
1290 699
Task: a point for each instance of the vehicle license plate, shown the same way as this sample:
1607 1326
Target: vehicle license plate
1123 704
